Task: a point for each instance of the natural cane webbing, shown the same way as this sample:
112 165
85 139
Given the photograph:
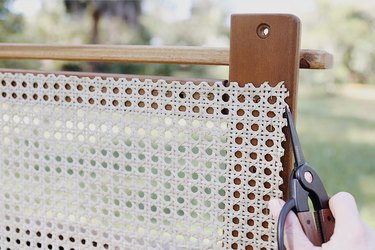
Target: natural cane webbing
128 164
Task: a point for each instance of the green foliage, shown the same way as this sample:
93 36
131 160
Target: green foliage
348 30
12 26
10 23
72 22
205 25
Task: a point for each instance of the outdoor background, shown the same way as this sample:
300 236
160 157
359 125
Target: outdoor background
336 108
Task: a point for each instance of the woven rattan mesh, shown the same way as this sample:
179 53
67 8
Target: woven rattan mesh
130 164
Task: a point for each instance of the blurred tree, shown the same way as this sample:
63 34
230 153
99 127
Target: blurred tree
141 22
356 44
127 10
10 23
125 22
349 30
11 26
203 24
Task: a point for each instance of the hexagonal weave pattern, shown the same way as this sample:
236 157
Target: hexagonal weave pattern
128 164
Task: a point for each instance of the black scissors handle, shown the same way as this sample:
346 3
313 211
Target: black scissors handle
318 226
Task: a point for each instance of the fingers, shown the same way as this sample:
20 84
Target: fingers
294 236
350 231
275 205
345 211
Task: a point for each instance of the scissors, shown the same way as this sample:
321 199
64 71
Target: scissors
304 184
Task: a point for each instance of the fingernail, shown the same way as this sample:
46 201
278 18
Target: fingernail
275 206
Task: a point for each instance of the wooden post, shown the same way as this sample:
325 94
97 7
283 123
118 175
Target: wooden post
266 48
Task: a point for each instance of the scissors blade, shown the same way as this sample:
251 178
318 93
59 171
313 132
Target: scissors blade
297 149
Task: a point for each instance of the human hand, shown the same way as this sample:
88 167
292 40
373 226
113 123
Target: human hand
350 231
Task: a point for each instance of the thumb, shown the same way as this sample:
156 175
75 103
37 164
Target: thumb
294 236
345 211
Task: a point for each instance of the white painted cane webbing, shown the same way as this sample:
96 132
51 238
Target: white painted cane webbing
129 164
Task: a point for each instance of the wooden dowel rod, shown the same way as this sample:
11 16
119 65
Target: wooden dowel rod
311 59
315 59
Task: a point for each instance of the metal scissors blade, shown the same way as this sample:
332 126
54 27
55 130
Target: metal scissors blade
297 149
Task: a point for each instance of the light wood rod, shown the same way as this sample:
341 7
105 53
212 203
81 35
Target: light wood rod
311 59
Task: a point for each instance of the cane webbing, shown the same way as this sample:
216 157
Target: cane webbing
128 164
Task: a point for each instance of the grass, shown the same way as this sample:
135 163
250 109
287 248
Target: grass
337 133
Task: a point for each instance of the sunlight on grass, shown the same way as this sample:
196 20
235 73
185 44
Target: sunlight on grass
363 136
337 133
367 213
367 185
